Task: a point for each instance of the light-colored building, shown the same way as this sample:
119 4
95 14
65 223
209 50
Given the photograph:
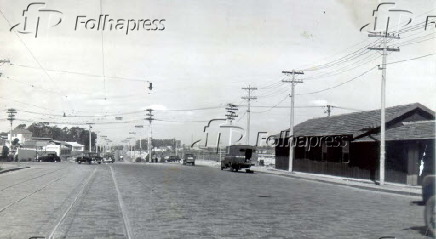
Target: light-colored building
76 147
21 134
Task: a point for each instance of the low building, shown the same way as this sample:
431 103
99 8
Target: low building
348 145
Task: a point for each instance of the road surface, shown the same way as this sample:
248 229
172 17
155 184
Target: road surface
127 200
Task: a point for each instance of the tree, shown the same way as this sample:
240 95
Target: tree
15 142
5 151
21 126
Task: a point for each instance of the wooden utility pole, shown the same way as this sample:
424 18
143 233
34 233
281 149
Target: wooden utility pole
328 110
248 98
384 48
291 122
231 115
149 145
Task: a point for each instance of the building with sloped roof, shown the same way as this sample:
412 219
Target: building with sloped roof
348 145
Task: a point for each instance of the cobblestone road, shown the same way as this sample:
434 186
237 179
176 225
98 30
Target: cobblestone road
65 200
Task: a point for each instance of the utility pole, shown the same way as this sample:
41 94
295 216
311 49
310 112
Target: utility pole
249 98
134 145
291 122
11 117
328 110
150 119
384 48
231 115
140 140
89 131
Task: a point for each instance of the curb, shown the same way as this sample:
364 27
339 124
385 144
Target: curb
404 193
9 170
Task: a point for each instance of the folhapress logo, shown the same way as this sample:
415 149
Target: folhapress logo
33 16
36 15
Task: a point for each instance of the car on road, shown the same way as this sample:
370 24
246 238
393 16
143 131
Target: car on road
49 158
89 158
238 157
108 160
188 159
173 158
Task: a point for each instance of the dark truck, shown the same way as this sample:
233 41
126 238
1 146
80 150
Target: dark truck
238 157
89 158
188 159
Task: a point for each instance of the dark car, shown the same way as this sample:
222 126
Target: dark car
89 158
49 158
173 159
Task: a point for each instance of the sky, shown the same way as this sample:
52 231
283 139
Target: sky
201 56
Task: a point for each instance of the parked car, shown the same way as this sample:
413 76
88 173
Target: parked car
49 158
173 158
89 158
188 159
238 157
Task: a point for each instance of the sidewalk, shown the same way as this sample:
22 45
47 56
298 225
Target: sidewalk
400 189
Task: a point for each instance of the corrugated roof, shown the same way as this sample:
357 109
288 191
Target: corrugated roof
408 131
354 123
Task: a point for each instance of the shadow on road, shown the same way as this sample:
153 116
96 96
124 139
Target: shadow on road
421 229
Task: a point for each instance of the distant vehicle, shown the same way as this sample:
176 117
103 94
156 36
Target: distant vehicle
108 160
49 158
428 199
89 158
173 158
238 157
188 159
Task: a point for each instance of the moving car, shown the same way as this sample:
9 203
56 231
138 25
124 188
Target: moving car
49 158
188 159
89 158
173 159
108 160
238 157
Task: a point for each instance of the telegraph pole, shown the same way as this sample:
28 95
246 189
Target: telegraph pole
150 119
384 48
134 145
11 117
231 115
249 98
328 110
140 139
291 122
89 131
